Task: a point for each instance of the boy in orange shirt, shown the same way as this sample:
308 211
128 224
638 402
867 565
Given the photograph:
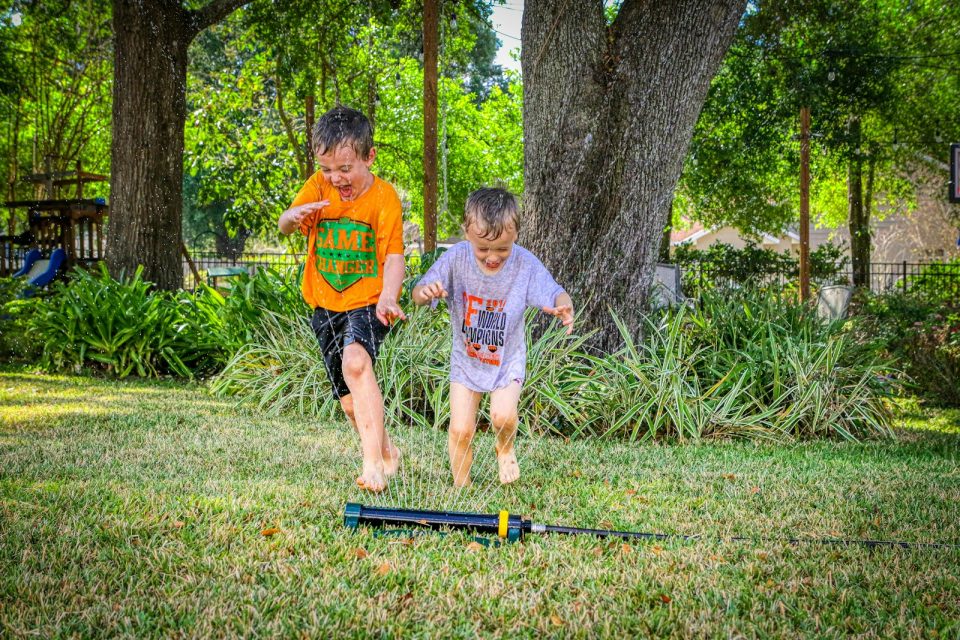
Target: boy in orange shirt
353 275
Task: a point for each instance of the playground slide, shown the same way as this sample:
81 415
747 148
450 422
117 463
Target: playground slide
32 256
40 273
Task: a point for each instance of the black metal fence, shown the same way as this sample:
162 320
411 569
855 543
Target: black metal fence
214 268
882 277
943 278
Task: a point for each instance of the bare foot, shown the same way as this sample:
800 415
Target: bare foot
372 479
509 467
391 464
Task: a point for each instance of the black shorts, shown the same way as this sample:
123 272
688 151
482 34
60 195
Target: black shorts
336 329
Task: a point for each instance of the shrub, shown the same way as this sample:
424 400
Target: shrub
721 266
921 333
16 340
121 326
744 366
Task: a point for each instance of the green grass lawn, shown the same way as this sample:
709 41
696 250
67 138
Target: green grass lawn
140 509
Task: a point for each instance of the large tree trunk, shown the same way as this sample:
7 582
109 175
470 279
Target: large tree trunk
608 116
859 216
149 111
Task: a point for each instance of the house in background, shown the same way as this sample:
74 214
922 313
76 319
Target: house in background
701 238
929 233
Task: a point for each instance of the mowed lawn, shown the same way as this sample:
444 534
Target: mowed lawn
152 509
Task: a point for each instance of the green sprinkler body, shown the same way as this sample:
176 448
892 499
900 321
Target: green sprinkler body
503 525
510 528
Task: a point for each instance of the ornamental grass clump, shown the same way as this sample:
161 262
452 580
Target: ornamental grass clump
748 366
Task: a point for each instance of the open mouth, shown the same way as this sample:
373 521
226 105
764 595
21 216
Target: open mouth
345 192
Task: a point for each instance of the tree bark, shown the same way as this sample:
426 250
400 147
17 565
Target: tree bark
608 114
149 112
858 218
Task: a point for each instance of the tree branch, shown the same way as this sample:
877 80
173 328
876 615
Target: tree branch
288 127
214 12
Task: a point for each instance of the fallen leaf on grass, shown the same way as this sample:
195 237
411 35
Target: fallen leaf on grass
383 569
729 476
474 546
556 620
665 599
630 492
178 524
576 473
407 542
360 554
755 490
272 531
656 549
626 548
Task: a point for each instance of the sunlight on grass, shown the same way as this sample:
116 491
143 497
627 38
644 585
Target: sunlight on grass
168 512
914 417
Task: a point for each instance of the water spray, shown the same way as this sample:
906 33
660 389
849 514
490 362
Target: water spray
511 527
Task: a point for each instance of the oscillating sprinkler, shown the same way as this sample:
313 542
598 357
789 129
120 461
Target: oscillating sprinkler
510 527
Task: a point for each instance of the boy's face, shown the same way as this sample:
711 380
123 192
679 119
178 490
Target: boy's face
491 254
349 174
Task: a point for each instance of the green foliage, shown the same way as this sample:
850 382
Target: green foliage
250 76
938 281
722 266
876 63
921 333
56 81
121 326
16 340
126 327
238 314
753 366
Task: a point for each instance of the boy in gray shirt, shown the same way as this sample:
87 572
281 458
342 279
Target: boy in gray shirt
489 282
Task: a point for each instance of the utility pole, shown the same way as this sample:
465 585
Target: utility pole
804 203
431 11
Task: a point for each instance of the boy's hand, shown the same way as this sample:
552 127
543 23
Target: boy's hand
565 313
433 290
292 218
388 311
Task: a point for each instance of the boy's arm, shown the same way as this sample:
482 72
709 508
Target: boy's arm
394 268
291 219
563 309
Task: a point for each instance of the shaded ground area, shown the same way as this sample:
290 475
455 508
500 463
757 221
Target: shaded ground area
140 509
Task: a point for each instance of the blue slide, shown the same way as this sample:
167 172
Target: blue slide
40 273
32 256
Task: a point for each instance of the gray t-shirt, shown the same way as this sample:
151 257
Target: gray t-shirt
486 313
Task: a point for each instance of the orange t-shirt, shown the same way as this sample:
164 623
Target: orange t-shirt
348 243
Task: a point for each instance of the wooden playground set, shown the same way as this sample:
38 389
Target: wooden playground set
60 233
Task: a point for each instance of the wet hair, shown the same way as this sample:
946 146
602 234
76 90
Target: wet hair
343 126
491 210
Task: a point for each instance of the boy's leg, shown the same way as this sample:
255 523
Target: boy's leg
391 454
379 454
463 426
503 415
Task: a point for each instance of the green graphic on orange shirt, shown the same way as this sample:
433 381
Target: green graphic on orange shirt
346 250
